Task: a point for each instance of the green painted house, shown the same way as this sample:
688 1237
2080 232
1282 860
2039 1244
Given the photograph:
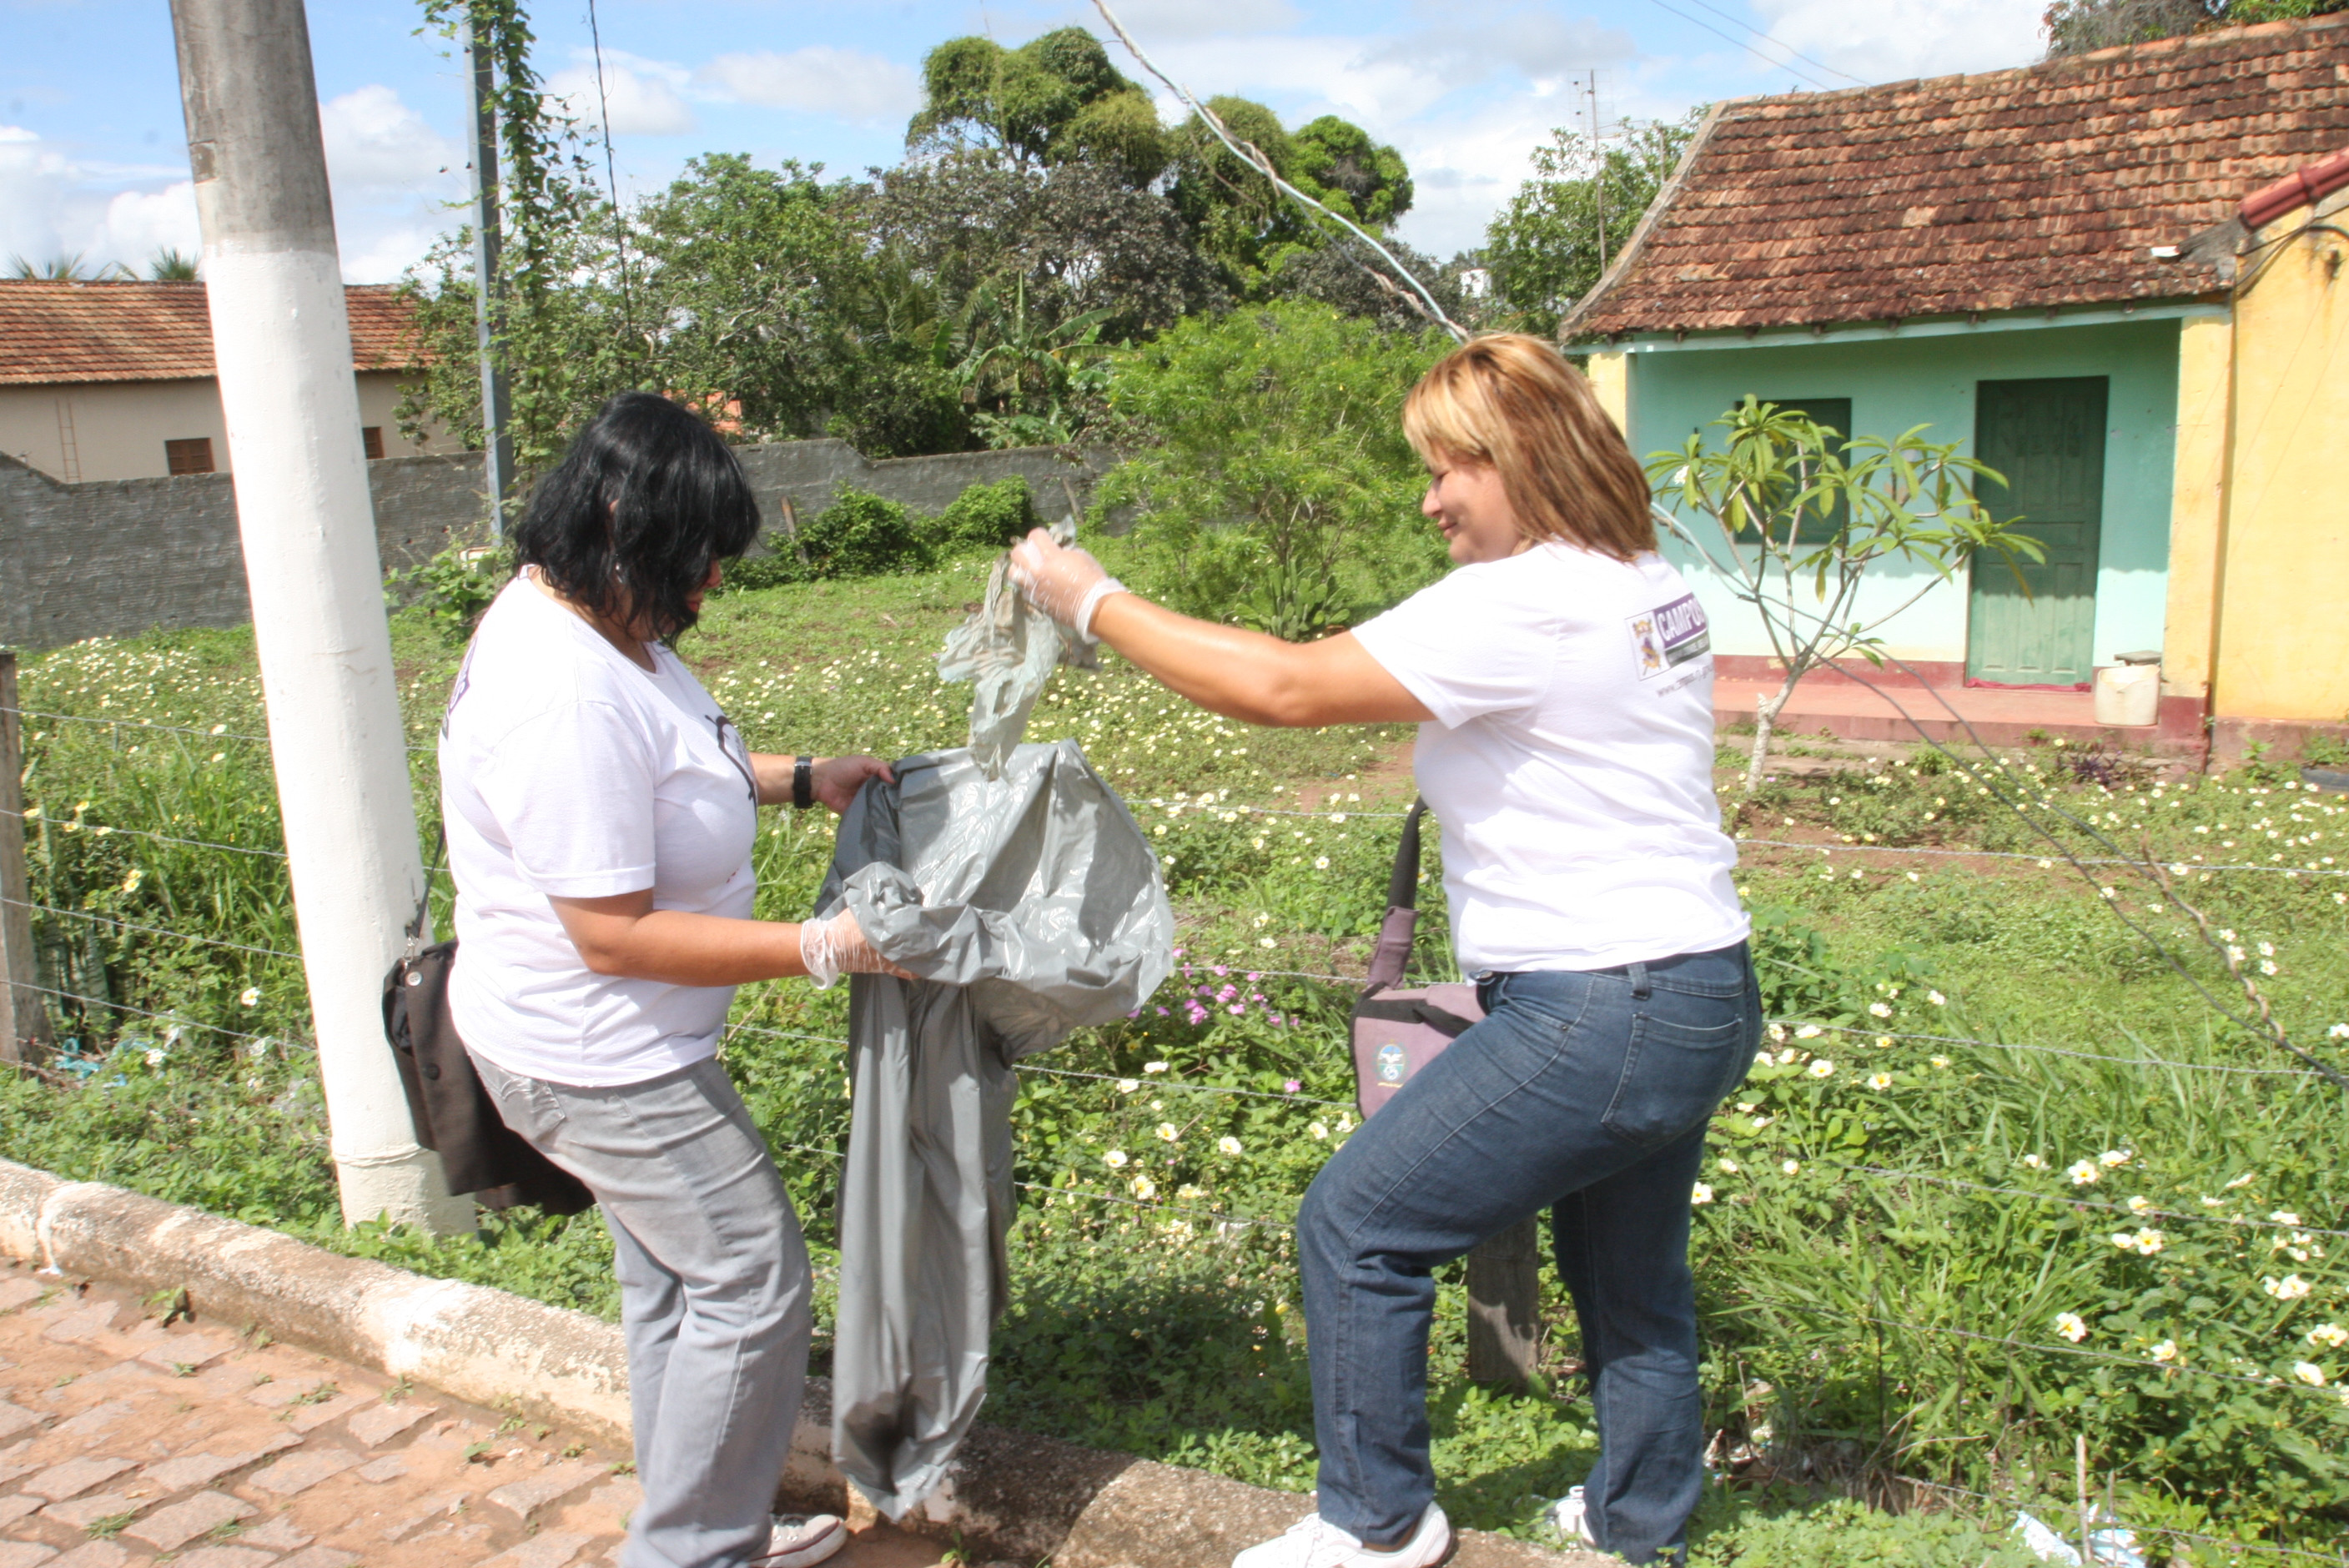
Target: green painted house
2022 260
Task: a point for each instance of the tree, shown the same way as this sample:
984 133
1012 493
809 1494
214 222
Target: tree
171 265
1248 230
1347 275
1274 488
2079 27
1054 99
565 333
743 292
1803 516
1544 248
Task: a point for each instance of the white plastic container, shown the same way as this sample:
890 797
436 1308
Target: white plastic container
2129 692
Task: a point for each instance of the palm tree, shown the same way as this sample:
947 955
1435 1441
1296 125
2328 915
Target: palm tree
171 265
61 269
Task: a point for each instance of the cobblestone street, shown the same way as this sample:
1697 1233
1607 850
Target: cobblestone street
123 1442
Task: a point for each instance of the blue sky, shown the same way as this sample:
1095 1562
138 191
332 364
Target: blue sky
93 157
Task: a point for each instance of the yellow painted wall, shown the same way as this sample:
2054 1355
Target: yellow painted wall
2206 348
1610 379
116 429
2283 632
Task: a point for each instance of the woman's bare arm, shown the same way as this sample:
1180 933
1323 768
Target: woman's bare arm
624 935
1252 678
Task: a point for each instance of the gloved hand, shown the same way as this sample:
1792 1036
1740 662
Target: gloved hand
1065 582
834 947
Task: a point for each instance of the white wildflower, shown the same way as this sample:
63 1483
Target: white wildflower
1115 1158
2071 1326
1228 1144
1699 1195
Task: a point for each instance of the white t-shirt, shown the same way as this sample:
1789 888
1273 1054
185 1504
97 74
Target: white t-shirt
1570 759
568 771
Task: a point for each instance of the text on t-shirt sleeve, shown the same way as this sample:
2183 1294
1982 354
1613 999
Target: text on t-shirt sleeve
572 788
1465 649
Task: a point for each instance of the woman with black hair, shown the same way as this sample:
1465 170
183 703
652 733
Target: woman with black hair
601 811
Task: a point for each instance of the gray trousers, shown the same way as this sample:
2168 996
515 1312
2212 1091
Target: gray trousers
714 1296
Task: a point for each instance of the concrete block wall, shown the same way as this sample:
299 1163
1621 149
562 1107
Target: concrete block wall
118 557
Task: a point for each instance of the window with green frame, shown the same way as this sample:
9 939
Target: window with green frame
1831 414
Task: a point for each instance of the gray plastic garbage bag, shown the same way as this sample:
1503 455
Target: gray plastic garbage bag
1029 905
1007 649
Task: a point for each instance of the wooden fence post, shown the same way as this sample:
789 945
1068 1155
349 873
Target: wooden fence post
1505 1306
23 1016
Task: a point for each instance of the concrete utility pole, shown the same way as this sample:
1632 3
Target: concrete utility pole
282 342
497 412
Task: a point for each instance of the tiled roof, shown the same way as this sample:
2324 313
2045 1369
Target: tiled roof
57 332
2027 189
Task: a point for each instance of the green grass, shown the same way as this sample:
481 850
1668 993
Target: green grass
1837 1302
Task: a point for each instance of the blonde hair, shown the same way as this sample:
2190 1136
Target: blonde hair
1512 401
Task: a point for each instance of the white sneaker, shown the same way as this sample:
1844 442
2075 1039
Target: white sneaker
798 1540
1571 1515
1314 1542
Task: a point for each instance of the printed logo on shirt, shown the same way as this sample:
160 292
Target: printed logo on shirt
1669 634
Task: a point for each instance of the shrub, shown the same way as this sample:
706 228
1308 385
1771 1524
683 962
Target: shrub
454 587
985 517
860 534
1279 493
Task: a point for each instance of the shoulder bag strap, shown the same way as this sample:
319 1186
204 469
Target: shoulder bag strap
1395 933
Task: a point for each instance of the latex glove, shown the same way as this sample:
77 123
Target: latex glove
1065 582
834 947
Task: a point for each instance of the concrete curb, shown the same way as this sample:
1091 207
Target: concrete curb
1018 1495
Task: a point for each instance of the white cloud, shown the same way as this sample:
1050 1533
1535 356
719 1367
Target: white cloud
1890 40
1535 44
35 188
1151 21
818 79
138 224
376 141
643 97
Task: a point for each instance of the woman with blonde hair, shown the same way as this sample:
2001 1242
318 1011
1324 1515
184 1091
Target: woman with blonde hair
1562 682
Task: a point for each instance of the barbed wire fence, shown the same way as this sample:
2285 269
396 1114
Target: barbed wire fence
2018 794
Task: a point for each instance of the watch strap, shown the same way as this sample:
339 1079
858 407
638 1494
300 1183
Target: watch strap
803 782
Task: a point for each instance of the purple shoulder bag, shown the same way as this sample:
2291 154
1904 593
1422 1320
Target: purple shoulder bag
1398 1031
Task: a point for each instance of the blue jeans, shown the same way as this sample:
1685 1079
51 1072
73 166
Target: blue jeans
1585 1093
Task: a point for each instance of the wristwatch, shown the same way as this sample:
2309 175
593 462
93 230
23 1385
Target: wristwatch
803 782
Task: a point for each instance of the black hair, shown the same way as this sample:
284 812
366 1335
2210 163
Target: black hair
627 525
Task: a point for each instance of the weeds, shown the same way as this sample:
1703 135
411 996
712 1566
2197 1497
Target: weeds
1902 1273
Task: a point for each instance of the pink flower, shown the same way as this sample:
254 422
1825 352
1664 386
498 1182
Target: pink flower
1290 1086
1236 1008
1252 980
1162 1012
1228 993
1222 970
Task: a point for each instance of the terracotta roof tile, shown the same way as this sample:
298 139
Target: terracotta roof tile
2027 189
58 332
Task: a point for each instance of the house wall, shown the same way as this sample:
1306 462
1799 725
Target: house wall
1898 383
83 432
2283 651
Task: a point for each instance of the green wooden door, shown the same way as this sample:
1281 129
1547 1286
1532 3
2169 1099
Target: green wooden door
2048 438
